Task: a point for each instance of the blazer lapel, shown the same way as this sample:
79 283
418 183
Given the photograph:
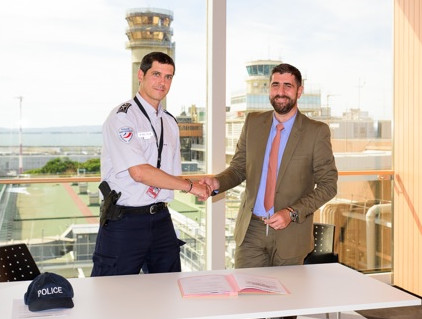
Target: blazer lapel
258 138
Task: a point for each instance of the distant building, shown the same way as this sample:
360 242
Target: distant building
191 141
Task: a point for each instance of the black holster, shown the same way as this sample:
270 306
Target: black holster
108 208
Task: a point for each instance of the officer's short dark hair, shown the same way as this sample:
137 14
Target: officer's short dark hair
160 57
287 68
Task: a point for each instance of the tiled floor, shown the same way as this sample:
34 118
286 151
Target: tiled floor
411 312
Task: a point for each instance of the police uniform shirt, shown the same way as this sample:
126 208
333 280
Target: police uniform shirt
128 140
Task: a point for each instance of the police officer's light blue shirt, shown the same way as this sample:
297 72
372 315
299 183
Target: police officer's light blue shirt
259 209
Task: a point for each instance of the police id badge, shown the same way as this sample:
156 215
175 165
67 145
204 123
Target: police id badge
153 191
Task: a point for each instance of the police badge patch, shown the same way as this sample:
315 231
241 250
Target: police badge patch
124 107
126 134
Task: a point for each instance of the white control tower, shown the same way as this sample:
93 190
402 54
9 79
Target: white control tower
149 30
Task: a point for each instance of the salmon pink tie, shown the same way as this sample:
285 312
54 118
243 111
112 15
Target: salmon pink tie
272 170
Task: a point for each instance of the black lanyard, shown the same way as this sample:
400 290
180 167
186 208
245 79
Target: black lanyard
159 145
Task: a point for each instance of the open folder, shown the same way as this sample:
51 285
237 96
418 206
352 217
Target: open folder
229 285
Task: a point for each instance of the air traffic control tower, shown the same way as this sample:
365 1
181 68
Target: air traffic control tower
149 30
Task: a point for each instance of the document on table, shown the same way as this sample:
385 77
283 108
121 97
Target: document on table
229 285
21 311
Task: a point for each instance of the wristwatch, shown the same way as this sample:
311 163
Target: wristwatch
294 216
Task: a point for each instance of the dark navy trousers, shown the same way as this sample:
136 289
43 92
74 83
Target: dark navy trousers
124 246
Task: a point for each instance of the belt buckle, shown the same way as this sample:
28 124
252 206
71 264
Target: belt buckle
154 208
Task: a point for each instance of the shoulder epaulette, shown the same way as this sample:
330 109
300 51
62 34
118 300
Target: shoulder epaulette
124 108
167 112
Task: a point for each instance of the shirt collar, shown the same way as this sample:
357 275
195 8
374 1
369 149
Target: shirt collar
149 108
287 125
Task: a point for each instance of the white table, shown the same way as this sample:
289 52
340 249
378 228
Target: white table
313 289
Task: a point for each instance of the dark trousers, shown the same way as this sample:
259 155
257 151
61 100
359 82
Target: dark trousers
124 246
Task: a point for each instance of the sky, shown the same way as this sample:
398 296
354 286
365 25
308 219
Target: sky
68 61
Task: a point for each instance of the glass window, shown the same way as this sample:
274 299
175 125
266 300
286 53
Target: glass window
63 69
344 52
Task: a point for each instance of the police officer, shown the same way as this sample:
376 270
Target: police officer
140 161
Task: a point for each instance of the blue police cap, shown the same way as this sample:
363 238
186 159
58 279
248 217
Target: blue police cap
49 291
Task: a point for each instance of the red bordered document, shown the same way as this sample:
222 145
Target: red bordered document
229 285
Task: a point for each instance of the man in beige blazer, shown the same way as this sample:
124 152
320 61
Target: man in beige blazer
306 179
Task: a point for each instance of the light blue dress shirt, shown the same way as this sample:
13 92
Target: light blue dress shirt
259 209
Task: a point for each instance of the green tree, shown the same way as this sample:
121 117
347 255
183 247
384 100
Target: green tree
66 166
60 166
92 165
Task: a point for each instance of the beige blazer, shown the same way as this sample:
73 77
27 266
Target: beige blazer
306 180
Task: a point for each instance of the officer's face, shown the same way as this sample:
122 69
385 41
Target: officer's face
155 84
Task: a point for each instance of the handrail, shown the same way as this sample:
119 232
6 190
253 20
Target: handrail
367 172
50 180
71 179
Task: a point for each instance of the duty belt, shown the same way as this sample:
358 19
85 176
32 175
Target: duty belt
148 209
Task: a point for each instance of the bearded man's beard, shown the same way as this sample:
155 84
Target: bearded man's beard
282 107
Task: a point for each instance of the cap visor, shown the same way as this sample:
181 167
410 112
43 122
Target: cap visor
52 303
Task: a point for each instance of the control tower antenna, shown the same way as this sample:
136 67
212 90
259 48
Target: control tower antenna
20 98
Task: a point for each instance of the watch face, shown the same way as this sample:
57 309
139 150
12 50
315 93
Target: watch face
293 216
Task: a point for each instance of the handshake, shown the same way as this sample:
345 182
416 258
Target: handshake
204 187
